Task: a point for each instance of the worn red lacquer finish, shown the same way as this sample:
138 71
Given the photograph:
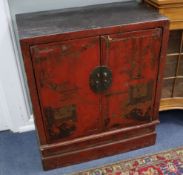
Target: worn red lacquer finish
62 75
130 100
94 82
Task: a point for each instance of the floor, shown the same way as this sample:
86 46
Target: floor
19 153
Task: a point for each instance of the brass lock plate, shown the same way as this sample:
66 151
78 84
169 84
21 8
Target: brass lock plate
100 79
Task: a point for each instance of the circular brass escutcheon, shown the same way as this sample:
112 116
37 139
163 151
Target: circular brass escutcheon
100 79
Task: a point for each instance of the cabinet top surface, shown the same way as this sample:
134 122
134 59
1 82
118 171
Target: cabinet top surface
53 22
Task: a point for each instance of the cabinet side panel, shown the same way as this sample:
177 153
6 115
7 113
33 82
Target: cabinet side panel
33 91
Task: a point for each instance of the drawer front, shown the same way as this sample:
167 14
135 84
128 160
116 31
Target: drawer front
69 108
133 59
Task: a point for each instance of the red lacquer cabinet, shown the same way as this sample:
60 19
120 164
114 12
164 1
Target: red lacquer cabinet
94 75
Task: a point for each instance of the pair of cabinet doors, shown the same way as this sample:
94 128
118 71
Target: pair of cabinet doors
97 84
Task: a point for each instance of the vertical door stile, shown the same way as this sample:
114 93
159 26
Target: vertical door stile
105 44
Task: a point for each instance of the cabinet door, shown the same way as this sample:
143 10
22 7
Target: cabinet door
133 59
69 108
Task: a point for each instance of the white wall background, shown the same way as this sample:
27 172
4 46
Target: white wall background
22 6
13 111
15 106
